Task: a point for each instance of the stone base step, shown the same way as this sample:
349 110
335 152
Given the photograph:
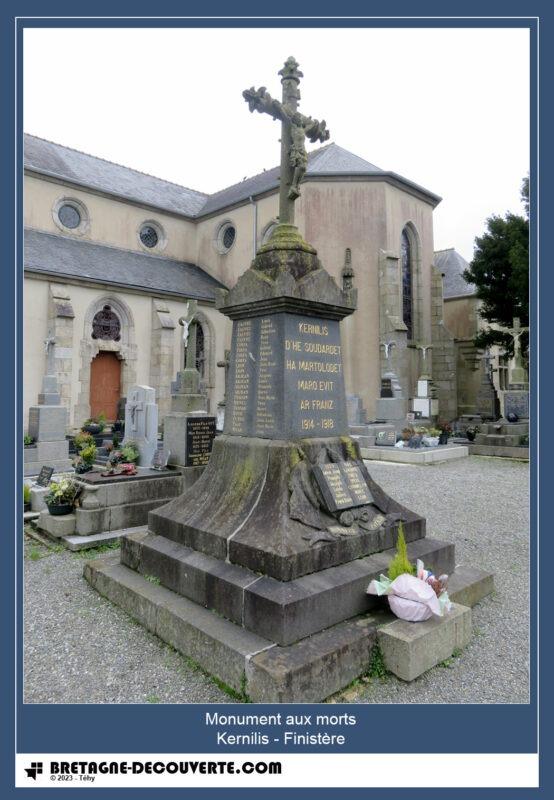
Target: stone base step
96 539
468 585
497 451
282 611
411 648
422 455
256 668
497 440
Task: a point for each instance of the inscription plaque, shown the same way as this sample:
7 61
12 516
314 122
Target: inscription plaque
342 485
385 436
386 387
160 458
44 476
200 437
517 402
285 378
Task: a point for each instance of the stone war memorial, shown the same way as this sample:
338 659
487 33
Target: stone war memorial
262 566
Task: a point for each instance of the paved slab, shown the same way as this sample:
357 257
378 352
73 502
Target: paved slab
423 455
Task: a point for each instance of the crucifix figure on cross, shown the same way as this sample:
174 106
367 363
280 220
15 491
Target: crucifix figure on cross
295 128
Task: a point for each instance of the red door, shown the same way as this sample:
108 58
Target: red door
105 385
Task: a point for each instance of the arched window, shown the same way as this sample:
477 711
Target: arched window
407 292
200 351
106 325
200 362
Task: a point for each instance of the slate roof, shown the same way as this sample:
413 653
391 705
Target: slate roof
58 161
54 160
67 257
452 265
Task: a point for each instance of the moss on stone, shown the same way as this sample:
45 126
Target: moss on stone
243 478
349 447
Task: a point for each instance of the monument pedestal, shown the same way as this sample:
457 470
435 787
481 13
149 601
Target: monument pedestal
47 424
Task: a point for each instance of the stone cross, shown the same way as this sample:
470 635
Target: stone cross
49 343
515 332
294 129
189 333
387 347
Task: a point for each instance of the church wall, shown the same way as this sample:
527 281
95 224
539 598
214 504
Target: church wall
135 343
112 222
334 215
461 317
228 267
35 330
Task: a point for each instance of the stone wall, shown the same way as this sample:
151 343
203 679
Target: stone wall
444 354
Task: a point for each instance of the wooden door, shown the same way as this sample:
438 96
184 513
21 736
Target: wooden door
105 385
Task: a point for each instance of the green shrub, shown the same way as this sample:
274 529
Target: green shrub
130 452
400 563
26 493
28 439
88 454
83 440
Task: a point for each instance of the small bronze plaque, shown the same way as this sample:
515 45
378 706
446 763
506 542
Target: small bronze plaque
342 485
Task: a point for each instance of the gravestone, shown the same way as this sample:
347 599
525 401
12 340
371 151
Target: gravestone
141 422
44 476
47 424
188 428
200 437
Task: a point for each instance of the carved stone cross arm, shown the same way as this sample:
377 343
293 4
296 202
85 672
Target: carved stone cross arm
295 128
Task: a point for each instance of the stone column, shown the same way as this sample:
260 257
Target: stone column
161 354
60 325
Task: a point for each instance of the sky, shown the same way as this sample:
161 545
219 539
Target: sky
445 108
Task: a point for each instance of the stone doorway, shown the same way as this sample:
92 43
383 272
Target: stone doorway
105 385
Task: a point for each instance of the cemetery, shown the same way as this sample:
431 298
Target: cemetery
254 538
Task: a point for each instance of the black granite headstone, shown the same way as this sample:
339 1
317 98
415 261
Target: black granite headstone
342 485
200 437
386 387
44 476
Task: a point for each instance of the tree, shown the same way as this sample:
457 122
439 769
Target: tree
500 272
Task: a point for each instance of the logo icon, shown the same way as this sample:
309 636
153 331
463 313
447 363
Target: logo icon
34 770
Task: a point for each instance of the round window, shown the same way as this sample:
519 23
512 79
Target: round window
226 237
149 236
69 216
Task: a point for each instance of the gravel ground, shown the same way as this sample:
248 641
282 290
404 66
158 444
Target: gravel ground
79 648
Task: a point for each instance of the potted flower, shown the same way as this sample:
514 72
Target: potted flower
130 452
84 461
407 434
432 437
471 432
445 429
61 496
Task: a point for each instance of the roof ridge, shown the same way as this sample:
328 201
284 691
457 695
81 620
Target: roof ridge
264 171
116 164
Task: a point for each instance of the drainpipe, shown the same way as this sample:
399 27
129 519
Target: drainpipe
255 226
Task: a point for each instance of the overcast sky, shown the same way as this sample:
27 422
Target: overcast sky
446 108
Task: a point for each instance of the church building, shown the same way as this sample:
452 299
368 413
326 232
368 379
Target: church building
112 256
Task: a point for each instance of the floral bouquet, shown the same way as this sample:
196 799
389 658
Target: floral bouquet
414 597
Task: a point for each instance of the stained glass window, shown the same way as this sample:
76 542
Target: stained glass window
69 216
200 353
407 302
149 236
228 237
106 325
